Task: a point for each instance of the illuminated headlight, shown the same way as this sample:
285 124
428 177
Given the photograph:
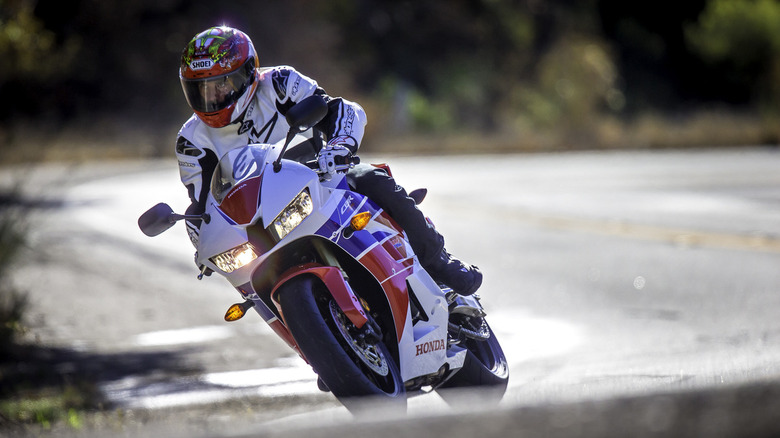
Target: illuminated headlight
235 258
292 215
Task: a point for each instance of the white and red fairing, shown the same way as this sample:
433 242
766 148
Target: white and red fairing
253 202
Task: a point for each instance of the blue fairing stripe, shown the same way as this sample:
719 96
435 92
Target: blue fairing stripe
343 184
381 235
359 241
329 229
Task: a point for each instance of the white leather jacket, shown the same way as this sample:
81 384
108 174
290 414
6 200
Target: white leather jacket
199 146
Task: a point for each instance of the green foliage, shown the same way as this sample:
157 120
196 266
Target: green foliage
27 48
464 65
742 38
577 79
744 33
12 302
47 406
458 60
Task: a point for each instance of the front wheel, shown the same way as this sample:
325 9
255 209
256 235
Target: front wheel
348 364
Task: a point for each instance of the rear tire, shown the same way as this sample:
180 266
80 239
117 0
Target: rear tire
348 366
485 367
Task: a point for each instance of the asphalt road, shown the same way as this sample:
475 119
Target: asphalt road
619 283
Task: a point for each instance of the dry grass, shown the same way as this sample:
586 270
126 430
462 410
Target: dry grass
110 141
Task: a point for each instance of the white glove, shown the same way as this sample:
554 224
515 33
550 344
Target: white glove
327 156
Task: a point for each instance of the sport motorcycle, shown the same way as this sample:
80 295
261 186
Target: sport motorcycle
335 276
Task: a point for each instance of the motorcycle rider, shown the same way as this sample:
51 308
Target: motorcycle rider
237 103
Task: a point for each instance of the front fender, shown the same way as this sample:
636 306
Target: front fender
336 285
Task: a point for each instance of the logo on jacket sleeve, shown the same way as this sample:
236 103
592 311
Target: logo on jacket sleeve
246 126
185 147
279 78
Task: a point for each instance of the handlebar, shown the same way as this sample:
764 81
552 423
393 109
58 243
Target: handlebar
343 164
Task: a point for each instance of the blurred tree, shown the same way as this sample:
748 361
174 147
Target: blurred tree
576 82
741 40
433 65
119 59
444 62
33 57
657 69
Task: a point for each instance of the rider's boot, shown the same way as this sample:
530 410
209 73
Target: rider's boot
462 278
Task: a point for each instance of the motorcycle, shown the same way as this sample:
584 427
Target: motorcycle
335 277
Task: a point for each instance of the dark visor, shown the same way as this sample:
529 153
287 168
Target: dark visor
215 93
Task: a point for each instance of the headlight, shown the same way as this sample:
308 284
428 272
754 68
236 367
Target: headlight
292 215
235 258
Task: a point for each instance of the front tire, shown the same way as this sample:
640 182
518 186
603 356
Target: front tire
349 366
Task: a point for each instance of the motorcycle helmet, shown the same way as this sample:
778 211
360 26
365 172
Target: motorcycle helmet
219 74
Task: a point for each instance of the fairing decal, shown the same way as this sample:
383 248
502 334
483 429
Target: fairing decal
382 235
226 217
330 230
380 247
392 276
396 247
242 201
343 185
385 219
340 217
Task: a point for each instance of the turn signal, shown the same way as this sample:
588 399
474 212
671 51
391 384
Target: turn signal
360 220
238 310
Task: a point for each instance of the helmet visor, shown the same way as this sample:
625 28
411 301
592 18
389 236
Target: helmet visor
212 94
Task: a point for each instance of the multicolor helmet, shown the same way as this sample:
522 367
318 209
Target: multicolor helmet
219 74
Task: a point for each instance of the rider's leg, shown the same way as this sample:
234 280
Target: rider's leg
426 242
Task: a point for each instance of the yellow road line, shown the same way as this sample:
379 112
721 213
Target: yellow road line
677 236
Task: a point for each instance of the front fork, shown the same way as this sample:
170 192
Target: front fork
365 328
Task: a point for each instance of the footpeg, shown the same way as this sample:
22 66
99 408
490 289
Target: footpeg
465 305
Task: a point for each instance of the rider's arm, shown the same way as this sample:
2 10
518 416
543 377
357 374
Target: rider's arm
345 123
346 120
196 165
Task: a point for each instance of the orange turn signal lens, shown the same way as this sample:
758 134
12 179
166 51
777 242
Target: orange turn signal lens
360 220
237 311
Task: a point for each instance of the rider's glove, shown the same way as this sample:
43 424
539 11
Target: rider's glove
327 157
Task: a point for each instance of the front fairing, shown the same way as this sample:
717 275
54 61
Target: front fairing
279 188
246 196
237 181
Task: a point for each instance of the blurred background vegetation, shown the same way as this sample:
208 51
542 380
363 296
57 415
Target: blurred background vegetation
96 78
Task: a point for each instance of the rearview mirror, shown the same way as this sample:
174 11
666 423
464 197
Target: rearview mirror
307 113
156 220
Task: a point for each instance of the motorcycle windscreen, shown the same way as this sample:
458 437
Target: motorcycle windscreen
236 182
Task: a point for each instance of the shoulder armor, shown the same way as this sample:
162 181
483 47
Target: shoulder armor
279 78
185 147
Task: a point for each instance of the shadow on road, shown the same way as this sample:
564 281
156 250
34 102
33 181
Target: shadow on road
47 382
